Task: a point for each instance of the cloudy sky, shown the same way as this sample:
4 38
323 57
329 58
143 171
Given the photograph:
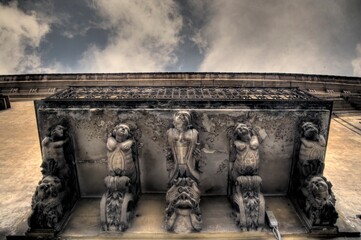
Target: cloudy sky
293 36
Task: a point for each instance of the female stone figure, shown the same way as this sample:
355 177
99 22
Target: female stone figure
247 157
247 199
183 142
120 157
117 204
183 212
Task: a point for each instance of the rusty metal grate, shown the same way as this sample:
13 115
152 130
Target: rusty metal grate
181 93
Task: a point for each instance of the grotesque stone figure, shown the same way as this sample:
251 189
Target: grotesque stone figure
313 191
249 203
54 162
183 212
320 201
57 192
47 203
183 205
312 150
246 197
117 204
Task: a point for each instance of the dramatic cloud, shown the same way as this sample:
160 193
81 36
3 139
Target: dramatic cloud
20 36
143 36
356 63
276 36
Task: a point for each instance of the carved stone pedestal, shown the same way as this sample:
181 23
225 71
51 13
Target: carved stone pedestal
249 204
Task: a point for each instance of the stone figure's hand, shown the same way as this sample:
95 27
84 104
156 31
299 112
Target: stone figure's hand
126 145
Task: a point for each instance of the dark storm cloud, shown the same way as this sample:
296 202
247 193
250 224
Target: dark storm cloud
316 37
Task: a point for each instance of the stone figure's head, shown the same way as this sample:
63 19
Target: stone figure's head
243 132
56 132
310 131
121 132
318 187
48 187
182 120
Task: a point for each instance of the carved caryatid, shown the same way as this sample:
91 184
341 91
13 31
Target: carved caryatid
314 193
312 150
54 162
247 199
117 204
183 212
246 161
57 191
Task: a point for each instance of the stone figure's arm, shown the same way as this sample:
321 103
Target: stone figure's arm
240 145
169 159
127 144
111 144
307 143
254 143
60 143
197 153
45 142
169 154
322 140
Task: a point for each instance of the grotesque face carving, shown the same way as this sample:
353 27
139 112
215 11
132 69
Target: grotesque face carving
121 132
181 120
310 131
48 187
243 132
186 194
319 189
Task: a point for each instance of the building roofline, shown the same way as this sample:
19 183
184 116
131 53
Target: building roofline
171 75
